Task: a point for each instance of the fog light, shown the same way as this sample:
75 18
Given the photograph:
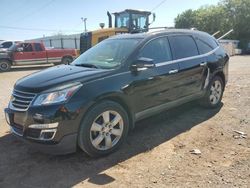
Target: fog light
47 134
44 126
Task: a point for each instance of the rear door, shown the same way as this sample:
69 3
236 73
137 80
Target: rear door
39 54
191 64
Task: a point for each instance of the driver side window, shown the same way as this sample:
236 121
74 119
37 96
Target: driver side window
158 50
27 47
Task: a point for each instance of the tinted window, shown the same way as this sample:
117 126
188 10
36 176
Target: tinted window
38 47
206 44
203 46
158 50
183 46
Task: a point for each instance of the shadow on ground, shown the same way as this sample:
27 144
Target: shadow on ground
20 166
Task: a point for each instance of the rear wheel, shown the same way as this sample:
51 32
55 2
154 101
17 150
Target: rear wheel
103 129
213 96
5 66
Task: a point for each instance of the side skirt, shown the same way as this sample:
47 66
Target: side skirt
157 109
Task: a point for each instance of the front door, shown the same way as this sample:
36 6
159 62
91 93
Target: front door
155 86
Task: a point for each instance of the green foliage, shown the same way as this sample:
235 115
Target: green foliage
226 15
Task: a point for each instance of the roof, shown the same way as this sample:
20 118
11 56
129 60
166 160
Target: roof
134 11
159 32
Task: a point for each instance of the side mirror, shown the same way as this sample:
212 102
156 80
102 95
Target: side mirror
143 64
19 49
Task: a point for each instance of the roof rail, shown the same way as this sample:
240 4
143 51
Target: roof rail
161 28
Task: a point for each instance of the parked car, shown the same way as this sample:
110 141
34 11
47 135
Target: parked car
27 53
93 102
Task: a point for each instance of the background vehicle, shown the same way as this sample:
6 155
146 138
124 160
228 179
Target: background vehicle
96 100
127 21
5 45
34 54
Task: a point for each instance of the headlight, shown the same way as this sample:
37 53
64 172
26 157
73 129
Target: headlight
56 96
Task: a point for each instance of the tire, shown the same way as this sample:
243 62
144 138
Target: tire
97 135
5 66
214 93
66 60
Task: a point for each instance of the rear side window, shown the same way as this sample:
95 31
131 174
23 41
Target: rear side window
206 44
183 46
38 47
158 50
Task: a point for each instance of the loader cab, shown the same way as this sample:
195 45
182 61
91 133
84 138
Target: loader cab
133 20
127 21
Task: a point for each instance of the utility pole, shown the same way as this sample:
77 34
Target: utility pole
85 25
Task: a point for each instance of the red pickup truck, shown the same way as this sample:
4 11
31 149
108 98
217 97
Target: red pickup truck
33 53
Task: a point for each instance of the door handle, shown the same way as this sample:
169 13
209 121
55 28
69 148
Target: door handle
203 64
173 71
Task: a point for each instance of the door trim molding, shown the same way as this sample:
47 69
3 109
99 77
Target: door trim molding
187 58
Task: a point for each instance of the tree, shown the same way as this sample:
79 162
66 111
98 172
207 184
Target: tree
186 20
226 15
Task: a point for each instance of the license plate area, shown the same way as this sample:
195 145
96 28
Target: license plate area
14 120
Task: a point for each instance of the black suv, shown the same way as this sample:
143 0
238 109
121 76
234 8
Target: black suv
94 102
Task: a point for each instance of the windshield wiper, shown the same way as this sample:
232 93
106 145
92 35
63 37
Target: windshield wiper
87 65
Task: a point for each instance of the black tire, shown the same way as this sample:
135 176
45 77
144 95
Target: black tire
66 60
86 133
5 66
207 100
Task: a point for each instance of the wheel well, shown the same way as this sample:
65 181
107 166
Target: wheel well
68 56
124 105
222 76
6 60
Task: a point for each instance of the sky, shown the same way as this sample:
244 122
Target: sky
29 19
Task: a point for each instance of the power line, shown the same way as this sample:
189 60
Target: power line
36 29
30 14
158 5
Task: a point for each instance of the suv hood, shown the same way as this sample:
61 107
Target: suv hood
55 76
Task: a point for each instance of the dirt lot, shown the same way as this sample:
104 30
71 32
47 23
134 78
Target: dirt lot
157 152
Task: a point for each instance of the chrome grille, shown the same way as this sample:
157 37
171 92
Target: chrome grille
21 100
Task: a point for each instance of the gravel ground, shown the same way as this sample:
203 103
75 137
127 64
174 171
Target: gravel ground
156 153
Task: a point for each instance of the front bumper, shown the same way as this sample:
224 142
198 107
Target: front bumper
57 140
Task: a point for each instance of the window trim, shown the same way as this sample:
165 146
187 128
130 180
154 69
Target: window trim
182 59
188 58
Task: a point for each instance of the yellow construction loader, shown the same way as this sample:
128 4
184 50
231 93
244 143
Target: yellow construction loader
127 21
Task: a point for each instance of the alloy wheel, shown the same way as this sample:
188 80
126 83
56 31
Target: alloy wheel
106 130
215 92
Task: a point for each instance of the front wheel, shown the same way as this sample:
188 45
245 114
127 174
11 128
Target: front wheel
4 66
103 129
214 93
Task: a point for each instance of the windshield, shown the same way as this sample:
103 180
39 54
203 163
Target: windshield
6 44
108 54
123 20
